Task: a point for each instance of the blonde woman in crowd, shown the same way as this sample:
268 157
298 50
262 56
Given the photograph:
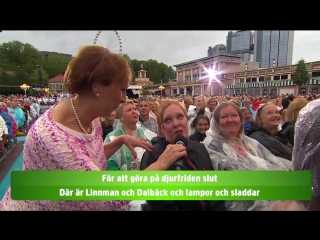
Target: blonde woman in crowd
278 103
154 108
292 113
247 104
306 153
211 105
236 101
123 159
173 122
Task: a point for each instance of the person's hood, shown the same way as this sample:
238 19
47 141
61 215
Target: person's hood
156 140
192 108
286 124
253 128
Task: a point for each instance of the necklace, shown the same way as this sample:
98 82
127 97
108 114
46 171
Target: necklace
78 120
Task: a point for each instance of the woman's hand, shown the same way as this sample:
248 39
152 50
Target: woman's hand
222 99
172 153
132 142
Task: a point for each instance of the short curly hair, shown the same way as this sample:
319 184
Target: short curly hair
95 64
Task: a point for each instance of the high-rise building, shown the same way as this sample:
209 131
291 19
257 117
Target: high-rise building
219 49
240 43
273 48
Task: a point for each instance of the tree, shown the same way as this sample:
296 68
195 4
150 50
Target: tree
7 78
16 54
130 63
136 66
55 65
18 62
155 71
34 77
301 75
22 77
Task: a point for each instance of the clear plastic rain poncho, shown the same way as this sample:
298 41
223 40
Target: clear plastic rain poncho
306 149
192 114
241 153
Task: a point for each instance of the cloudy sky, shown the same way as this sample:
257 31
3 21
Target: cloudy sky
170 47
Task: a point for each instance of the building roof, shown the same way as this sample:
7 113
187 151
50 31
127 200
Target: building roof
57 79
205 58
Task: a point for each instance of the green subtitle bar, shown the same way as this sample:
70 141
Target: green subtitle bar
161 185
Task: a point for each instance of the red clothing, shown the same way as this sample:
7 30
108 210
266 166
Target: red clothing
256 105
14 127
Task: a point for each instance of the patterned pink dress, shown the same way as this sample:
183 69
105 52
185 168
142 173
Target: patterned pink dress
50 147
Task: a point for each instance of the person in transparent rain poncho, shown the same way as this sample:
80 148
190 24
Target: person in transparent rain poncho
230 149
306 153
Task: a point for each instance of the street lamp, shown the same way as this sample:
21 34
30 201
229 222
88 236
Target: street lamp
161 89
25 87
273 62
39 74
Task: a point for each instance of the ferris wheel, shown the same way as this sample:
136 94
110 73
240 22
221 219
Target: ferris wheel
110 40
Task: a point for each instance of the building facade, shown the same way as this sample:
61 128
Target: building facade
142 79
232 79
273 48
192 77
240 43
55 84
219 49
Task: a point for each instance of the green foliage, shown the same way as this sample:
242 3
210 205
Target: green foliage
55 65
155 71
34 77
20 63
301 75
130 63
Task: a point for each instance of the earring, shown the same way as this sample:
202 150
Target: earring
97 94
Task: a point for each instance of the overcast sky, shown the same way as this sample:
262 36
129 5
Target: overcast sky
170 47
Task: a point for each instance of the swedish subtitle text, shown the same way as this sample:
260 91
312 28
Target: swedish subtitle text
150 192
137 178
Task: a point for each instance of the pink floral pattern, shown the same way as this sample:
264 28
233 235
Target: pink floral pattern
49 147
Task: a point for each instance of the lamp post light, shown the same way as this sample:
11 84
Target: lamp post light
161 89
25 87
273 63
46 90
